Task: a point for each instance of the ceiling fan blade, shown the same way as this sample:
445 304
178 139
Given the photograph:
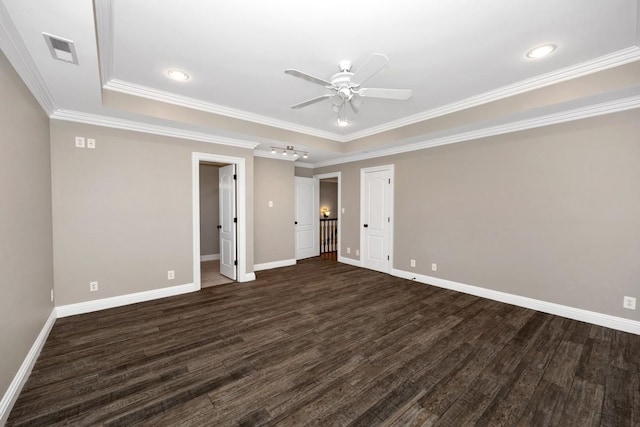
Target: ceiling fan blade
312 101
355 103
370 68
308 77
371 92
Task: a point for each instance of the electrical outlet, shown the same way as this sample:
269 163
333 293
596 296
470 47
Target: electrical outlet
342 210
413 263
51 294
80 141
93 286
357 252
348 250
434 267
171 274
629 303
91 143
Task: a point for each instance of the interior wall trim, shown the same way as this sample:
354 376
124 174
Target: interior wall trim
595 65
601 109
121 300
104 35
274 264
209 107
350 261
595 318
210 257
16 51
19 380
116 123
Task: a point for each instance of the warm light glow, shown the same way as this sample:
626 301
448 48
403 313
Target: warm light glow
305 156
178 75
295 154
541 51
325 212
343 123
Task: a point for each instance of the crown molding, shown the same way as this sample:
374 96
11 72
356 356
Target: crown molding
602 63
547 120
16 51
196 104
97 120
104 28
595 65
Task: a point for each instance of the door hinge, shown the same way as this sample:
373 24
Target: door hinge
388 258
235 176
235 219
388 219
235 262
389 180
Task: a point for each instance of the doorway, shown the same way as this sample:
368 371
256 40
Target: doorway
228 260
330 212
212 237
376 208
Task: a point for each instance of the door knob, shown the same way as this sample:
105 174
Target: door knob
366 225
296 222
219 227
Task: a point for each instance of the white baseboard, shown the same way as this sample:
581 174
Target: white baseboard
211 257
350 261
606 320
120 300
274 264
12 393
248 277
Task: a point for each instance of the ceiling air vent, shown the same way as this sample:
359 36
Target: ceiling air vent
61 49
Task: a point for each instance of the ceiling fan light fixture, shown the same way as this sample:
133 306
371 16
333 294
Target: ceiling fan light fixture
178 75
343 122
541 51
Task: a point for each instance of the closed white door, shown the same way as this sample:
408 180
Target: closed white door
376 204
307 217
227 227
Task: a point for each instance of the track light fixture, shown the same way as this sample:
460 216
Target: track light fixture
289 150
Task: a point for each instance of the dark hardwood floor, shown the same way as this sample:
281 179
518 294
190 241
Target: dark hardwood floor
323 343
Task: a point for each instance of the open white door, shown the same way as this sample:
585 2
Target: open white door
376 203
307 218
227 227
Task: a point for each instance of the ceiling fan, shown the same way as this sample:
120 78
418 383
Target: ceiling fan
346 86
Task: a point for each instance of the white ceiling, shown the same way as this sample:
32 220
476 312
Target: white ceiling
236 53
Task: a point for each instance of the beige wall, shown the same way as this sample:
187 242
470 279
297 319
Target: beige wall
122 213
304 172
551 213
209 210
274 227
329 197
26 259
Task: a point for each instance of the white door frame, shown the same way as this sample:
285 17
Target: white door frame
334 175
363 171
196 158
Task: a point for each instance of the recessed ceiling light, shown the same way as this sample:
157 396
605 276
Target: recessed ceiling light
178 75
343 123
541 51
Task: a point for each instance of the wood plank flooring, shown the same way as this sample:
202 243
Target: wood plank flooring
322 343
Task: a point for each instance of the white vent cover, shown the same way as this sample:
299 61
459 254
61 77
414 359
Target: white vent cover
61 49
